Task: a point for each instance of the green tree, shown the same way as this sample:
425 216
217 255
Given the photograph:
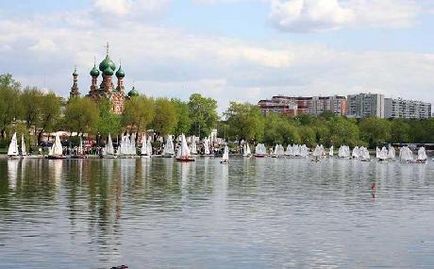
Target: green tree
375 131
203 114
400 131
81 115
138 114
30 101
184 122
245 122
9 101
50 109
343 131
108 122
165 120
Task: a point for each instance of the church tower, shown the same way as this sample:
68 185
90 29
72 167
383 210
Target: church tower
74 89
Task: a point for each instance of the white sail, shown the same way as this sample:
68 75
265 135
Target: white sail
248 150
56 149
421 154
317 151
23 146
144 149
260 149
149 147
13 146
184 151
392 153
109 150
356 153
383 154
206 146
331 151
364 154
225 156
193 146
169 149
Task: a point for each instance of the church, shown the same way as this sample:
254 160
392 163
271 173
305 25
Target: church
106 89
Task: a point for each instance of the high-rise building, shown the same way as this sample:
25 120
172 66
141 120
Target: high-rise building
407 109
295 105
365 105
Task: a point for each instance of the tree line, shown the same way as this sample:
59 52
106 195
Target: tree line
32 112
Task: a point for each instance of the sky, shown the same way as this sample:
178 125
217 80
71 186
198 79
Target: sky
230 50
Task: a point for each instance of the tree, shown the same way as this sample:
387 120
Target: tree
165 120
184 122
30 101
245 121
343 131
81 115
138 113
399 131
50 106
9 101
203 114
108 122
375 131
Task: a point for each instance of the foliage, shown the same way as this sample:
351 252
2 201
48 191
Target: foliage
245 122
165 120
138 114
182 111
81 115
9 101
108 122
203 114
375 131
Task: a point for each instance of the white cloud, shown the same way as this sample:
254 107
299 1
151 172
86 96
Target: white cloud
320 15
169 62
128 9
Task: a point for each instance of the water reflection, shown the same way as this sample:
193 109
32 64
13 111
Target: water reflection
250 213
12 173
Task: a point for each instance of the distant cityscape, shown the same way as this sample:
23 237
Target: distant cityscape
360 105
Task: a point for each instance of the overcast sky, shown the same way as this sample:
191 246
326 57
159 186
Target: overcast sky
242 50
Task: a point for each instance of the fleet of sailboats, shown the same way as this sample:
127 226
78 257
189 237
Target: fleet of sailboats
185 152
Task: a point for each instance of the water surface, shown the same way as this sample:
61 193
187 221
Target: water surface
257 213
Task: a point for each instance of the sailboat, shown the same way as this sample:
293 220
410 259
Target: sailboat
421 155
247 153
184 152
144 152
206 151
193 146
225 158
331 151
56 151
23 147
260 151
109 151
169 149
13 148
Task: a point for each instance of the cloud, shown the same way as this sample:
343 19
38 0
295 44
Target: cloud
128 9
323 15
163 61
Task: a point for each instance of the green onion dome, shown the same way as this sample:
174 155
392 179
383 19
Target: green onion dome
108 71
120 73
94 72
107 62
133 92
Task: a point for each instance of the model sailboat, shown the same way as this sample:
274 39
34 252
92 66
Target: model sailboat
225 158
13 147
184 152
56 151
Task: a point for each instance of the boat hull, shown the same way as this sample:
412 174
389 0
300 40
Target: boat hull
56 157
185 159
260 155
